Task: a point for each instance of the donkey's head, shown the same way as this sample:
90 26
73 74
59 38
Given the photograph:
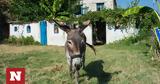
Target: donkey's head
76 40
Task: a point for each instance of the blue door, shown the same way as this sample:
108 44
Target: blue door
43 32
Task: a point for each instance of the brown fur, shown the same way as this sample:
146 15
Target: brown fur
75 47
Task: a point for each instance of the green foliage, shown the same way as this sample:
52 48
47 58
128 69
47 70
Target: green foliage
26 10
22 41
111 17
4 5
131 11
60 9
144 16
35 10
52 7
135 40
155 47
4 15
146 20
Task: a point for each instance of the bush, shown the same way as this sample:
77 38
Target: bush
22 41
11 40
130 40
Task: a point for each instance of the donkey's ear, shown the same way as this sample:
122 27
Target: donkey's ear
84 25
62 26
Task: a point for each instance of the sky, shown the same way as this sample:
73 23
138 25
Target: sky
125 3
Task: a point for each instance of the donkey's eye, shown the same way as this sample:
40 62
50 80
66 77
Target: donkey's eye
69 42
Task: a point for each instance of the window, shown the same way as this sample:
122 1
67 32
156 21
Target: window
28 29
84 9
56 30
15 28
100 6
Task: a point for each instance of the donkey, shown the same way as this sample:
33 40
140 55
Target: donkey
75 47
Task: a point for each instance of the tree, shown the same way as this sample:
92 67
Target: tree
4 5
111 17
4 15
52 7
147 19
4 10
26 10
35 10
60 9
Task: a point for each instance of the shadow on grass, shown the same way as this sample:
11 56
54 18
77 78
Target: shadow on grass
95 69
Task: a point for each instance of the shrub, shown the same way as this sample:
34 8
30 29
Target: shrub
22 40
12 39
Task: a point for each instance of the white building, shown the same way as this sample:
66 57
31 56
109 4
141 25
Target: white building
45 32
48 33
96 5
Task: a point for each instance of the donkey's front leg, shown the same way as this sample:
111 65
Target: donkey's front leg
76 74
70 69
83 64
83 60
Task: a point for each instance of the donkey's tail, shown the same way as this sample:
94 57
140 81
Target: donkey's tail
92 47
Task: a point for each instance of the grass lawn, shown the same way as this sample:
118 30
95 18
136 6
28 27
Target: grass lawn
113 64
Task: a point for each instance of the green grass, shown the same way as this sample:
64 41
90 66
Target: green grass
113 64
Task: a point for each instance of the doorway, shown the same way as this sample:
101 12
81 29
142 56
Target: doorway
43 32
99 33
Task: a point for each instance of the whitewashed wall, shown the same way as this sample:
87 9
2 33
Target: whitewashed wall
22 30
88 32
91 4
55 38
118 34
52 38
17 33
60 38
